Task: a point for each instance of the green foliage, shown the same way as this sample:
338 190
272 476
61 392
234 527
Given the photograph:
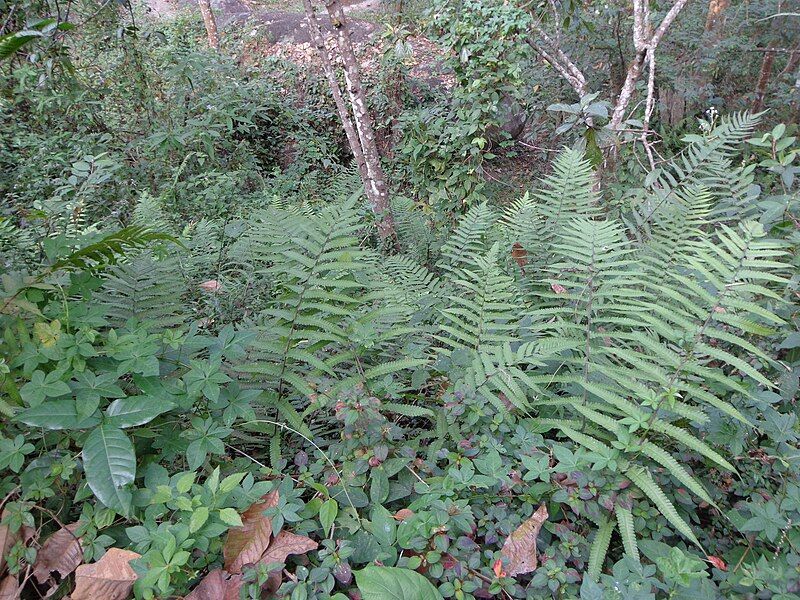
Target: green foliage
199 332
393 583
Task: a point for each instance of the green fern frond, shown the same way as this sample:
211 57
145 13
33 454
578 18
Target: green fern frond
644 481
627 531
599 549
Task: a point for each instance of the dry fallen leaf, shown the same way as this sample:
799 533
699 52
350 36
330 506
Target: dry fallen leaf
519 549
212 285
403 514
285 544
245 545
8 538
61 553
110 578
217 585
9 588
281 547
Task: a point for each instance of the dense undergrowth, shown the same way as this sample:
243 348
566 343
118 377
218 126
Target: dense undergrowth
212 370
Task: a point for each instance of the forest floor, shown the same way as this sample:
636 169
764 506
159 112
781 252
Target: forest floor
277 29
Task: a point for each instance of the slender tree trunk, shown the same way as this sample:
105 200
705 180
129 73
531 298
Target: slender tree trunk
330 74
716 16
644 42
763 80
210 23
377 190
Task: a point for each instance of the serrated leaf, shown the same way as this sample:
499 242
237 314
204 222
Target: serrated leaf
644 481
627 531
230 517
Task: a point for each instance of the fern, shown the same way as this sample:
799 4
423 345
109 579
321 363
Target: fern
627 531
706 161
107 250
644 482
325 291
597 554
145 289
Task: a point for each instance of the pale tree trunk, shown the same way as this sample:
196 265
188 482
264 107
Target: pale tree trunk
644 42
376 187
763 80
210 23
330 74
715 18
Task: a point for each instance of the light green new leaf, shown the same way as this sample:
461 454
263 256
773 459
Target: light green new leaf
327 514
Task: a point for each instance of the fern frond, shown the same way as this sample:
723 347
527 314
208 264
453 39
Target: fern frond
644 481
627 531
599 549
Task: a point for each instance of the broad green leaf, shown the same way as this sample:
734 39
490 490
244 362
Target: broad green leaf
56 414
392 583
136 410
327 515
384 527
230 517
198 518
109 462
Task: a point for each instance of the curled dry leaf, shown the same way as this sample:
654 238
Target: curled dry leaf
217 585
717 562
110 578
285 544
520 256
61 553
245 545
212 285
519 549
404 514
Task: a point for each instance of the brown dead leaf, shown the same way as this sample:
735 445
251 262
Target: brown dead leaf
285 544
217 585
8 538
212 285
520 255
245 545
519 549
9 588
279 550
110 578
61 553
404 514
